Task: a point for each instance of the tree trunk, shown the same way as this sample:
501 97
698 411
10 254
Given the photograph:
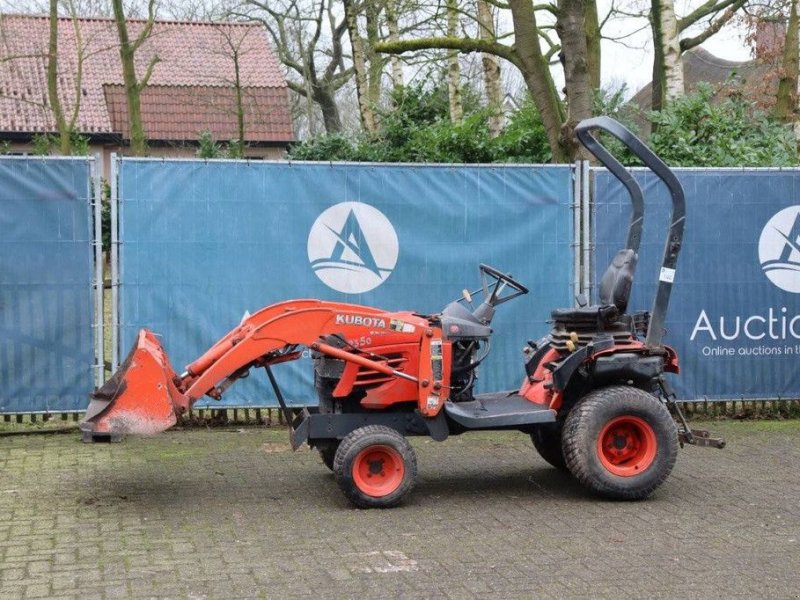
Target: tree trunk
375 62
658 83
239 103
577 78
360 66
491 70
526 55
592 42
330 111
309 102
453 68
65 137
786 103
133 88
394 35
536 72
670 50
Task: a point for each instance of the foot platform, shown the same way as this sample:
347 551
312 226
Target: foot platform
504 409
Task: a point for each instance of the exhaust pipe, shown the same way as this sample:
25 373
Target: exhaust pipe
142 397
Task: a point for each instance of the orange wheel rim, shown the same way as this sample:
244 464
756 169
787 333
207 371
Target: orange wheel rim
627 446
378 470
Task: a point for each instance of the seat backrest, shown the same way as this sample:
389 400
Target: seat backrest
615 286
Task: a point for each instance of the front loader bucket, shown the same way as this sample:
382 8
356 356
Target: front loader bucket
141 397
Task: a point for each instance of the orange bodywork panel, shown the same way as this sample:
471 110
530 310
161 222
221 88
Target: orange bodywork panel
537 387
146 396
382 389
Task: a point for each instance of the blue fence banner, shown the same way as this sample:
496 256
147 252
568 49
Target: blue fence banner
203 243
46 306
734 315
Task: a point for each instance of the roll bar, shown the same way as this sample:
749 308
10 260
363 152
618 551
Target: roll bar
672 247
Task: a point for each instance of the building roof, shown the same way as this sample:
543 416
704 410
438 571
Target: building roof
191 89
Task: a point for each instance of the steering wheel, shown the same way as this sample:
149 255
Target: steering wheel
501 282
501 277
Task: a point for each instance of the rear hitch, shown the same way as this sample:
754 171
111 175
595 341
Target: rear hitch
686 435
700 438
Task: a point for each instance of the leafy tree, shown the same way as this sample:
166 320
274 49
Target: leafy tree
42 144
417 129
669 42
236 149
524 139
207 147
134 82
692 131
531 51
335 146
611 103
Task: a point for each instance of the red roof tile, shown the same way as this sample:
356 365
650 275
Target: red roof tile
191 87
170 112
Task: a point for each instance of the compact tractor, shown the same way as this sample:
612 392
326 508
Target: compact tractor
594 398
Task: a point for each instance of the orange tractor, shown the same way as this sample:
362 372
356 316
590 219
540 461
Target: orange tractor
593 396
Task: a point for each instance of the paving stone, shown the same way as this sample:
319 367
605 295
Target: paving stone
218 514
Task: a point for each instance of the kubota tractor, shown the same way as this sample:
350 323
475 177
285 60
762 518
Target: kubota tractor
593 398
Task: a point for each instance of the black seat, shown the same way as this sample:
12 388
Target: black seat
615 291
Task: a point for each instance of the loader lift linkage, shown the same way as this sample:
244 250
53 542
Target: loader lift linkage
594 397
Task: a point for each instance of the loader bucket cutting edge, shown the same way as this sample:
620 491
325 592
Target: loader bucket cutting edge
141 397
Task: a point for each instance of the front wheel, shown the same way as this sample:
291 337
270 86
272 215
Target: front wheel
375 467
620 442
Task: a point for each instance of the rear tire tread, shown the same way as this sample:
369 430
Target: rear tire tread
581 429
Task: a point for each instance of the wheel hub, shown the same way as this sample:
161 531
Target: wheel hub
375 467
627 446
378 470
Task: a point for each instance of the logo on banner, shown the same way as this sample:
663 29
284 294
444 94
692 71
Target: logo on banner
352 247
779 249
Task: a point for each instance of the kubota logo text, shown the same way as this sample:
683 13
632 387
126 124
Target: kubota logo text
779 249
359 320
352 247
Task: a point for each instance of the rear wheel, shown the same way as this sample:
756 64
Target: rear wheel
547 441
620 442
375 467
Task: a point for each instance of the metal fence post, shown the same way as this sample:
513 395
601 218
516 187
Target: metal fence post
576 230
586 232
114 183
98 270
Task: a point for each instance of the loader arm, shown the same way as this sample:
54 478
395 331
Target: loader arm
146 396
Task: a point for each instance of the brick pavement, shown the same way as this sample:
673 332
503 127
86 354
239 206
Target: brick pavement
217 514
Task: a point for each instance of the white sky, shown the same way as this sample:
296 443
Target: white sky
633 64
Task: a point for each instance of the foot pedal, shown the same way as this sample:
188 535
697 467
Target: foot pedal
700 438
88 436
